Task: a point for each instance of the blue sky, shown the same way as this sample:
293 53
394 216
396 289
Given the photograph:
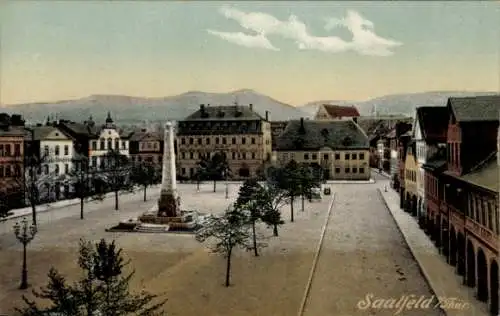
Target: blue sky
293 51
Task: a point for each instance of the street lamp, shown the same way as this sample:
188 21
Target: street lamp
24 234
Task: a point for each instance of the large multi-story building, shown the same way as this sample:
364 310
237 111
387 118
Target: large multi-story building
146 146
339 147
429 133
11 161
54 149
462 183
237 131
410 178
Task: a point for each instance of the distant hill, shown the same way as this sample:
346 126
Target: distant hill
404 104
136 109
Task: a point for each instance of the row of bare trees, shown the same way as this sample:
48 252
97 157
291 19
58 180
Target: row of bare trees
117 174
258 202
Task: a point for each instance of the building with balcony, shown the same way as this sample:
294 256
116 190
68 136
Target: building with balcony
236 131
339 147
465 223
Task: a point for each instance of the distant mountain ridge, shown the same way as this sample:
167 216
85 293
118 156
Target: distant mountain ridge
129 109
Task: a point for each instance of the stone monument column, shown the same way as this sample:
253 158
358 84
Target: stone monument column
168 205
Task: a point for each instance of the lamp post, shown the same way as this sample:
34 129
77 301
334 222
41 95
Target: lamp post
24 234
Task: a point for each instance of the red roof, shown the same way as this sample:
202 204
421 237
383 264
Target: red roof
336 111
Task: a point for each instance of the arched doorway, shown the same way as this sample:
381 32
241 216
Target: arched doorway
482 276
453 247
414 206
494 288
471 265
461 254
445 235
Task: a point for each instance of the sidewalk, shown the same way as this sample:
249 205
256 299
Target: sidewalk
440 276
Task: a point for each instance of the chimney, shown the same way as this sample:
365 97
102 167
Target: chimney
250 106
301 122
267 116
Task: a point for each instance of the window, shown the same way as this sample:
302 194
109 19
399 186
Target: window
94 145
1 171
17 171
183 141
217 140
191 140
361 156
110 144
66 168
325 156
361 170
191 155
337 170
94 161
124 145
354 157
199 141
7 171
306 156
233 140
346 156
337 156
46 150
183 155
7 150
347 170
354 170
243 140
183 170
224 141
56 151
207 141
314 156
1 150
17 150
244 155
57 170
253 140
253 155
234 155
46 169
66 150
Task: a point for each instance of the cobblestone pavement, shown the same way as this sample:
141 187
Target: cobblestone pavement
364 254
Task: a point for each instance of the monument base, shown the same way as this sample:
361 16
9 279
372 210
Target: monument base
168 204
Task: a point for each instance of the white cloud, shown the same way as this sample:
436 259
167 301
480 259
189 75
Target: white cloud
255 41
364 40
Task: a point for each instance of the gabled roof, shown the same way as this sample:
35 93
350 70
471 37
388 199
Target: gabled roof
433 122
143 135
475 109
314 135
224 113
42 132
485 175
336 111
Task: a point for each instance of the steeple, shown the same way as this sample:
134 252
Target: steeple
109 119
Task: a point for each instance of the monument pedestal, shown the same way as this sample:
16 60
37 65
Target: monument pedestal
168 204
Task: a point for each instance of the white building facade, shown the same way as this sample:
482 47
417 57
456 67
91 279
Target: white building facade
109 139
56 153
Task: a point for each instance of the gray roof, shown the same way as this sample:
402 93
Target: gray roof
12 131
225 113
473 109
313 135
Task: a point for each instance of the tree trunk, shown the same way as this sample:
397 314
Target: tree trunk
228 266
255 250
116 200
145 187
302 202
33 211
291 209
275 230
215 183
81 207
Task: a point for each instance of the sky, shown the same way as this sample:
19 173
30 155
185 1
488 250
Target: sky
293 51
